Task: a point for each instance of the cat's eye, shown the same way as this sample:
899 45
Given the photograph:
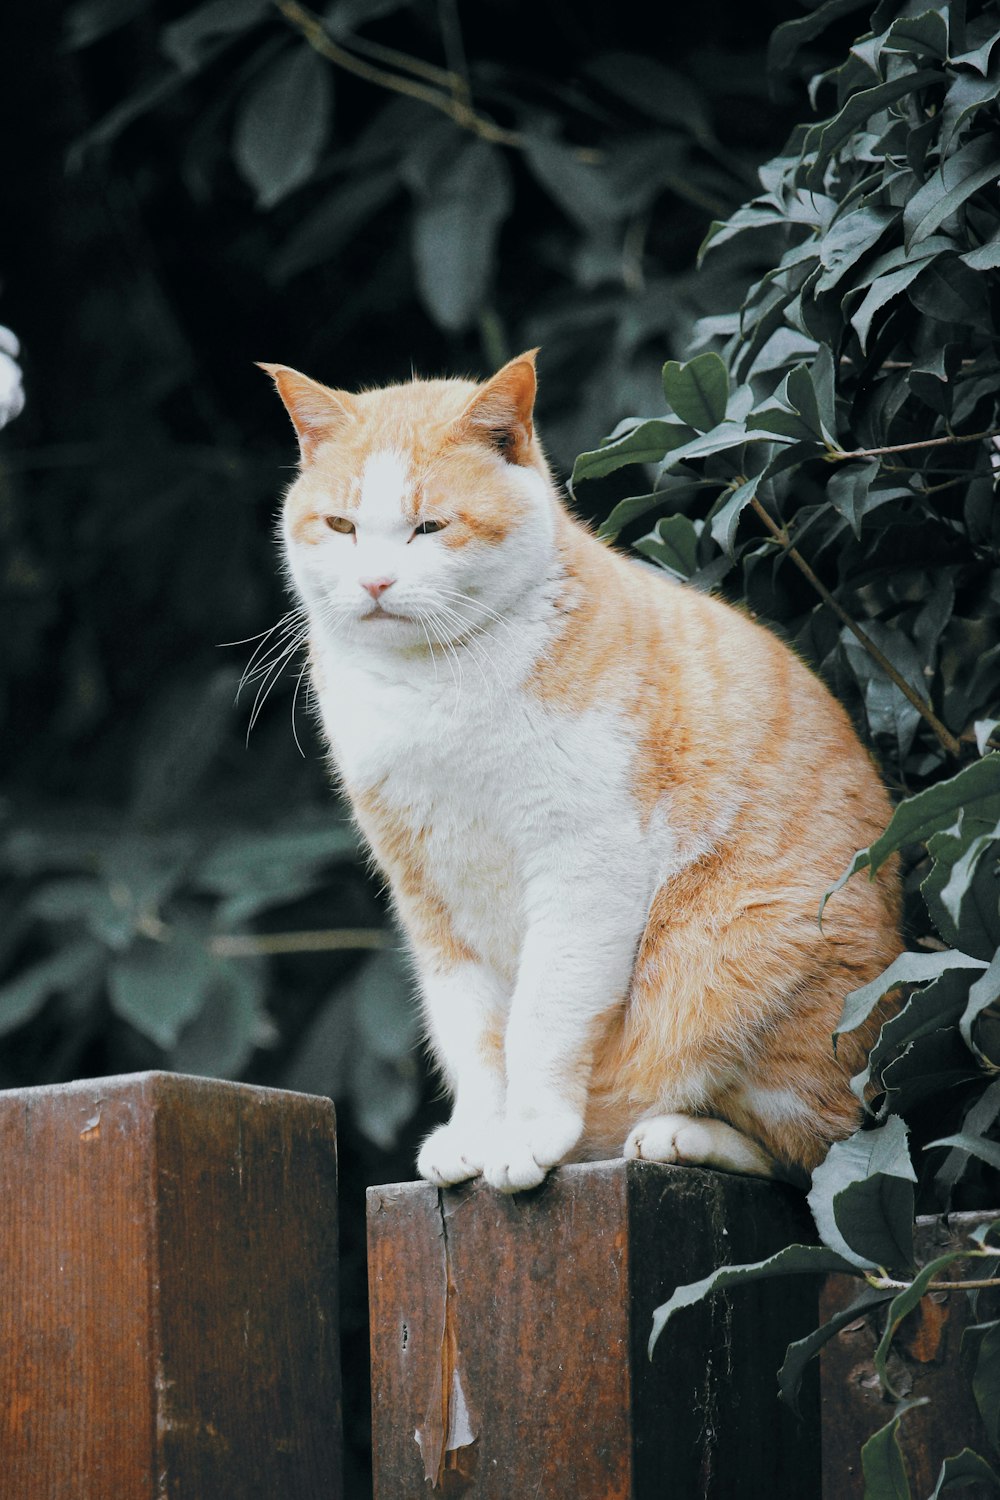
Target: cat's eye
341 524
428 528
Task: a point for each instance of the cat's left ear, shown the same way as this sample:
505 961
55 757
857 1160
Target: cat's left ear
500 413
317 412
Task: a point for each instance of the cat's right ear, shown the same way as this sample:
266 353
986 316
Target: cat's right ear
317 412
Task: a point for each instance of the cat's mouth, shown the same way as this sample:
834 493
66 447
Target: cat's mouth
378 613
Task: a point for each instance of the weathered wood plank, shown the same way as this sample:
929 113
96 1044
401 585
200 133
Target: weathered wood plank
168 1283
927 1361
509 1340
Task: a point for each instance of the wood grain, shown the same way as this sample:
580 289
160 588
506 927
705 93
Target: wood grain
509 1340
168 1284
927 1361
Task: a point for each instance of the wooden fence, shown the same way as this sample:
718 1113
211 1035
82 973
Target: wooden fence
168 1283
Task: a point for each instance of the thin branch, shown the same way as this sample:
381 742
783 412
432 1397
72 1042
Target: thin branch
452 103
923 708
329 940
315 34
889 1284
454 51
404 62
836 455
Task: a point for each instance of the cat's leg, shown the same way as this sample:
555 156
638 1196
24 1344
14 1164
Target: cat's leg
584 923
699 1142
463 1008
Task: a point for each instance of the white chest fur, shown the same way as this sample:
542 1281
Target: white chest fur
514 799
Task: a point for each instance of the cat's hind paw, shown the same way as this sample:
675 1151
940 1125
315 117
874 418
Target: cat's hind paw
524 1151
685 1140
450 1154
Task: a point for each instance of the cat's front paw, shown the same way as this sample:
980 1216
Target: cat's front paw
451 1153
524 1150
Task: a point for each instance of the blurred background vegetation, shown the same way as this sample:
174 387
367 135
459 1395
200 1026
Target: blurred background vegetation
380 186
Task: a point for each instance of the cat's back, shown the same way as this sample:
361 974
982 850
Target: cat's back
720 710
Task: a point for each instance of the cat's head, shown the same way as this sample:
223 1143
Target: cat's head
420 510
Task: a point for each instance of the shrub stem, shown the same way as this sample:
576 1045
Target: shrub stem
780 535
837 456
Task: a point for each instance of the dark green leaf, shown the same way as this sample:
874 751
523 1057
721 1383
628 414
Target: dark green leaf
658 91
950 292
455 232
975 790
72 967
962 892
159 987
583 191
908 968
954 182
282 125
344 16
983 36
890 714
383 1082
850 237
698 392
850 492
799 1353
985 992
628 510
185 41
881 292
882 1463
726 519
231 1024
790 36
939 1004
903 1303
972 1145
828 137
794 1260
726 435
862 1197
324 232
89 20
960 1469
673 545
984 257
925 35
644 444
966 95
986 1383
978 1119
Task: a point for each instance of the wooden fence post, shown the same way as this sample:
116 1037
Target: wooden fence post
168 1285
926 1361
509 1340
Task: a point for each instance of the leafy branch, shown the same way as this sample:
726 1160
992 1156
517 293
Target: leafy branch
323 940
839 455
454 103
780 535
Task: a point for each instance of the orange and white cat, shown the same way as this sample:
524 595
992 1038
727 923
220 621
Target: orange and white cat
607 805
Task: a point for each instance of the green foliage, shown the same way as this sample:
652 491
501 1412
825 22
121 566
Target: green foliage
425 195
344 192
836 469
603 187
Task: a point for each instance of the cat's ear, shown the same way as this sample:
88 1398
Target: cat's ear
500 413
317 413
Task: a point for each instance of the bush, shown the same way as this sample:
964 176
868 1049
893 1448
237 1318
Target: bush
834 466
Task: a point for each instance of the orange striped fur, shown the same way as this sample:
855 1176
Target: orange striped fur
608 805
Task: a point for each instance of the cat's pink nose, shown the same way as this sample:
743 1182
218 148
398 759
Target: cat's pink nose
376 586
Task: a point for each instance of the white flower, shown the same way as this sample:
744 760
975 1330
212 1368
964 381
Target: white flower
11 389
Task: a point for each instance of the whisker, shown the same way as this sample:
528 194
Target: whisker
298 683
